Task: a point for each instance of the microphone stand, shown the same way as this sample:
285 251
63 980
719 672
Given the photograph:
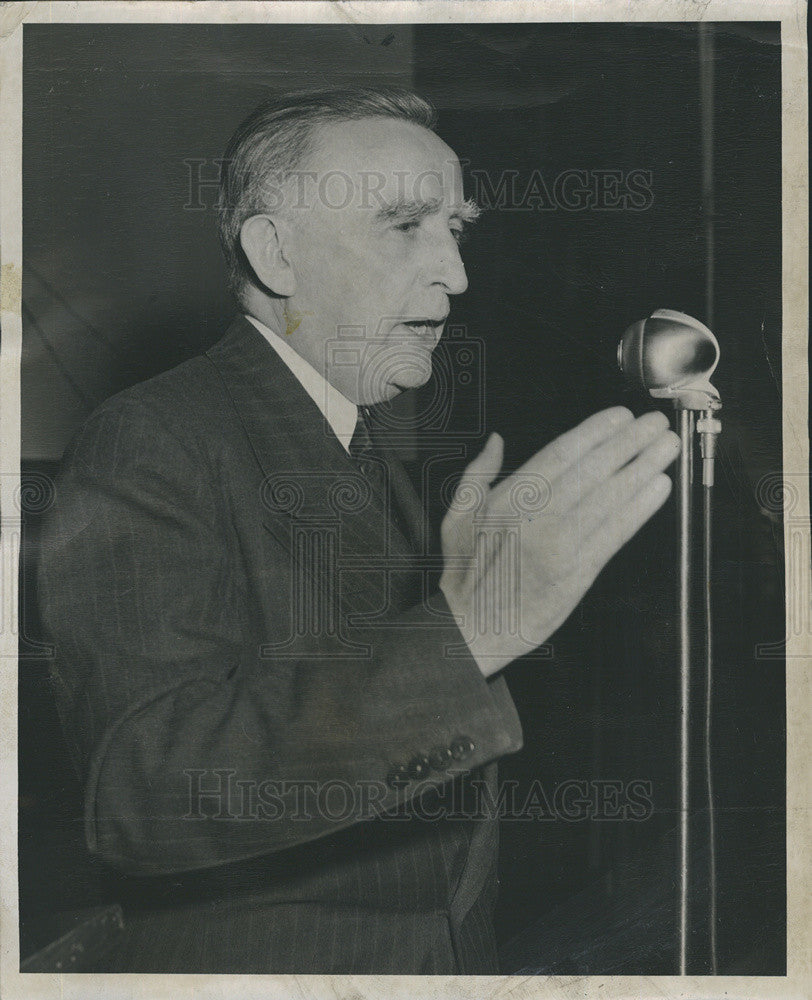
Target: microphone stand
672 356
693 418
685 420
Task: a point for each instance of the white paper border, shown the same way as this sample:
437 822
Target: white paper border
792 15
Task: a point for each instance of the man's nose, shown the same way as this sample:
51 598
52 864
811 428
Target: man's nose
446 267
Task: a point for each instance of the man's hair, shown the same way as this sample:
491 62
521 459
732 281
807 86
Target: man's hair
274 141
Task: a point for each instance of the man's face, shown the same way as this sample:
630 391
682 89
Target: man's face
376 215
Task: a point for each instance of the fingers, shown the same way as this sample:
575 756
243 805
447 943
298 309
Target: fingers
571 447
621 489
623 523
598 466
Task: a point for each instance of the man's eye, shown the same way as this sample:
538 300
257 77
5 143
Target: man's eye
406 227
460 234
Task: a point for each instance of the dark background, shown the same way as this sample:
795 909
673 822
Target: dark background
122 279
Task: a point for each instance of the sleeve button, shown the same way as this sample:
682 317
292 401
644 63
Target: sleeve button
398 776
462 747
419 767
440 757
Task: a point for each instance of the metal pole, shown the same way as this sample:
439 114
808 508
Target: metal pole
707 112
707 545
686 431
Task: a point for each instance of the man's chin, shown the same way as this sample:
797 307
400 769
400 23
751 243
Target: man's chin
412 378
398 379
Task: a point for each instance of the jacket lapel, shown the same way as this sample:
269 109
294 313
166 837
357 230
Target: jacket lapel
308 477
405 496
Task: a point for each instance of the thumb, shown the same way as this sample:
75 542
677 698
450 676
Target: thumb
471 494
482 471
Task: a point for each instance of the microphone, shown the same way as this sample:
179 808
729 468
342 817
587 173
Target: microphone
672 356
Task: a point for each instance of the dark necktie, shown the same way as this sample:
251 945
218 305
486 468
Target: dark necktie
373 467
363 451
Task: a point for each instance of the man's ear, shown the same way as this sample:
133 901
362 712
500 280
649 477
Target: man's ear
263 240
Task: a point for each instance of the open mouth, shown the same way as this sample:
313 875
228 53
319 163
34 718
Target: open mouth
427 328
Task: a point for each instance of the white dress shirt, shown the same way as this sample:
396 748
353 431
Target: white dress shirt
339 412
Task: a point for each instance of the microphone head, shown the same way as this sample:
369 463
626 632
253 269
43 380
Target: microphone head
669 354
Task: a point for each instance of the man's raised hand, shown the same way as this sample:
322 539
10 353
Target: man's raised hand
519 556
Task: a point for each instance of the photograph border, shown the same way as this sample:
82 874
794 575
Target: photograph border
792 15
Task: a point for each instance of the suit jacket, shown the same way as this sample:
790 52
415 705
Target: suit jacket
264 702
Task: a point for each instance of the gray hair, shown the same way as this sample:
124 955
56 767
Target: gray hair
275 139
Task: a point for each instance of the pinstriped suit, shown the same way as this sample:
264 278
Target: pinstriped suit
232 609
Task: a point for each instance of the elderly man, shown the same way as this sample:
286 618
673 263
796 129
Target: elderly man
268 699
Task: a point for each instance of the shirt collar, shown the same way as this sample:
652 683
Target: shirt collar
339 412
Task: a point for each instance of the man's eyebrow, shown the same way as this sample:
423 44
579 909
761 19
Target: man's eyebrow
413 210
467 212
409 209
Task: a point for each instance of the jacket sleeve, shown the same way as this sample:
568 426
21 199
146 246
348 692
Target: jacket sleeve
195 751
